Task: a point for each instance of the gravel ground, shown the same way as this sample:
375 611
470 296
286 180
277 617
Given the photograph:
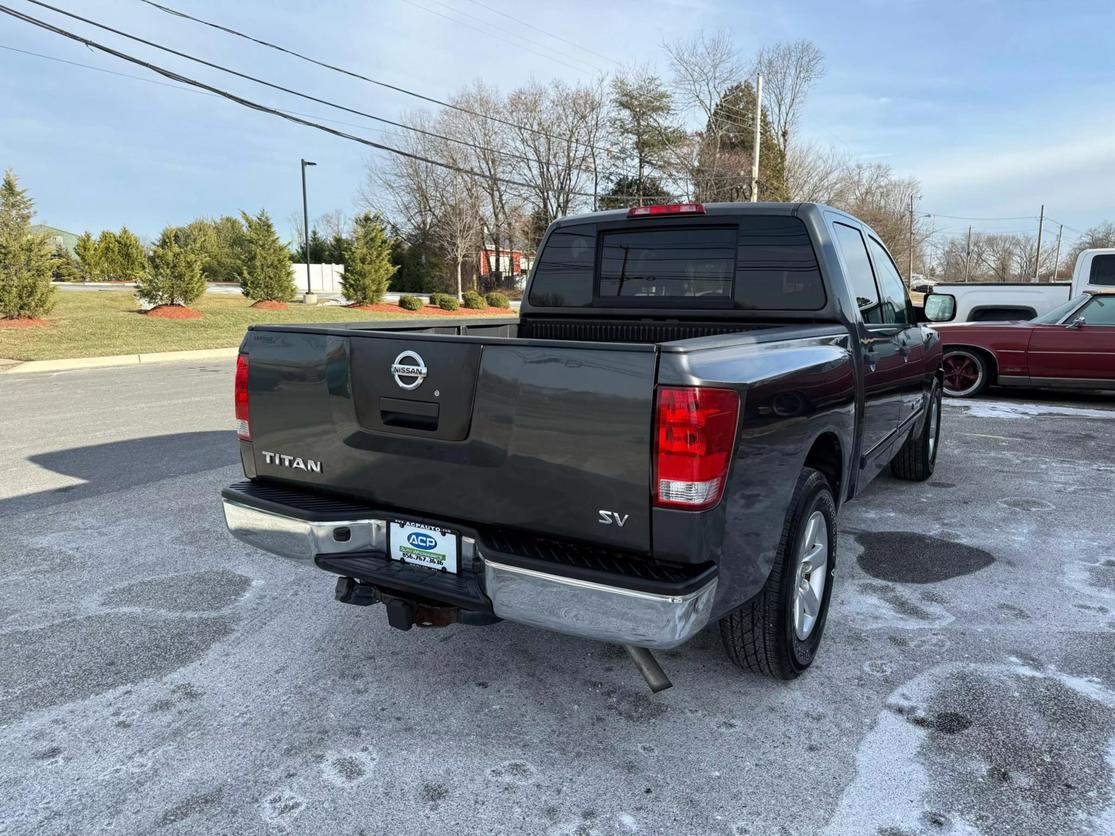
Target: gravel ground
154 674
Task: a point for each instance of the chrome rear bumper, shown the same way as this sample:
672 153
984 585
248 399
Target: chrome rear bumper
542 599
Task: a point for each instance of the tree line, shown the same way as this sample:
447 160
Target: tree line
177 268
1012 257
491 172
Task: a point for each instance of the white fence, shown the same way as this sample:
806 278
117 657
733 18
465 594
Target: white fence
324 278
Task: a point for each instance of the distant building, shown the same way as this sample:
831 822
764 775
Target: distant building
511 262
56 237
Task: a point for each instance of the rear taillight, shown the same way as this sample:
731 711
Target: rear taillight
243 420
695 430
666 209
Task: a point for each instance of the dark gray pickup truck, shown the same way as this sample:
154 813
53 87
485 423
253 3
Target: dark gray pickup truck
663 437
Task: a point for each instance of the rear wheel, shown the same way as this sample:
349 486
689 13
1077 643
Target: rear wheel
966 372
918 456
777 632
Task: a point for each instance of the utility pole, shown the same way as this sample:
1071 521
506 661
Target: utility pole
910 272
758 137
1037 251
968 255
309 298
1057 257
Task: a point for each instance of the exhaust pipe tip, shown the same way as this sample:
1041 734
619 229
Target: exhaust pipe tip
648 666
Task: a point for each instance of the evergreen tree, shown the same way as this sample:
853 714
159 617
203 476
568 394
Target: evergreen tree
131 260
339 250
421 268
643 112
173 275
265 273
727 147
369 269
107 258
64 267
86 251
25 261
624 192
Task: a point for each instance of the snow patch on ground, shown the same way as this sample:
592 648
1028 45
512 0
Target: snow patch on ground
1010 409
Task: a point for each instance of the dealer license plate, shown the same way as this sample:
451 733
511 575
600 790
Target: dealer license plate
423 545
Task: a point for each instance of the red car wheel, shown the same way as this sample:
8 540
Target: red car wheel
965 373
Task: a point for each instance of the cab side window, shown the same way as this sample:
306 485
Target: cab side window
860 277
1100 311
896 306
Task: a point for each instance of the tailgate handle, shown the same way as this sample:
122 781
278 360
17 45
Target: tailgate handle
410 415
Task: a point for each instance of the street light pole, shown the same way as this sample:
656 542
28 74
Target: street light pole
309 298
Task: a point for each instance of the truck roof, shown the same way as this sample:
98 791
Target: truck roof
766 208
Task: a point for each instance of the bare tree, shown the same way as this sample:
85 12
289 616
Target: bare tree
1100 235
455 206
704 69
789 69
491 156
559 127
815 174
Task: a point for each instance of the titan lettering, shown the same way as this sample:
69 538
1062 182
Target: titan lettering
293 462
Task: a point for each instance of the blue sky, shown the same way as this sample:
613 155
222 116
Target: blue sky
996 107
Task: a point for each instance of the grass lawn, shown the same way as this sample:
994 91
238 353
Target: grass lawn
96 323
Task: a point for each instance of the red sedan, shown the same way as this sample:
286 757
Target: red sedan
1071 347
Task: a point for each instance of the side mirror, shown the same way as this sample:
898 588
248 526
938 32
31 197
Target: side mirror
1076 323
940 307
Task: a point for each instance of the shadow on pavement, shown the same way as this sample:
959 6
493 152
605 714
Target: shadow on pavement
120 465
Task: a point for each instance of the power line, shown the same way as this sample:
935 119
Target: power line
396 88
175 76
177 87
529 25
352 74
462 22
281 88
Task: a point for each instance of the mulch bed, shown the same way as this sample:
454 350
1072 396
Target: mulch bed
429 310
173 312
23 322
270 305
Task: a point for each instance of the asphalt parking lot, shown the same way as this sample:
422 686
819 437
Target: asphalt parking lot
154 674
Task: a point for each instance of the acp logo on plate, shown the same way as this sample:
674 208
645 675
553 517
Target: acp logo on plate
422 541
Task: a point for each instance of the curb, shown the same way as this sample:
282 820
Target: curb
32 366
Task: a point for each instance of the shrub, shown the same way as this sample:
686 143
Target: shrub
173 275
25 260
474 300
497 300
369 267
265 275
436 298
448 303
410 303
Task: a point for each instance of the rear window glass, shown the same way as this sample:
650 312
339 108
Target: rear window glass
667 263
767 263
1103 270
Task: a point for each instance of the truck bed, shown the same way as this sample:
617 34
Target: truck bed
505 427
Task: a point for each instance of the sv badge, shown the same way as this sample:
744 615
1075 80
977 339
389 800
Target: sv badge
612 517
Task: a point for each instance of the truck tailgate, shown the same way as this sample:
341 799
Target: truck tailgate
529 434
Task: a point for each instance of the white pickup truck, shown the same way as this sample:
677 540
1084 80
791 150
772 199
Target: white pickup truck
999 301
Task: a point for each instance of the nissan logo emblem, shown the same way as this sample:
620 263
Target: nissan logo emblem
409 370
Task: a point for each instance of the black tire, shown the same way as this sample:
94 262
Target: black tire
759 636
960 364
918 456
